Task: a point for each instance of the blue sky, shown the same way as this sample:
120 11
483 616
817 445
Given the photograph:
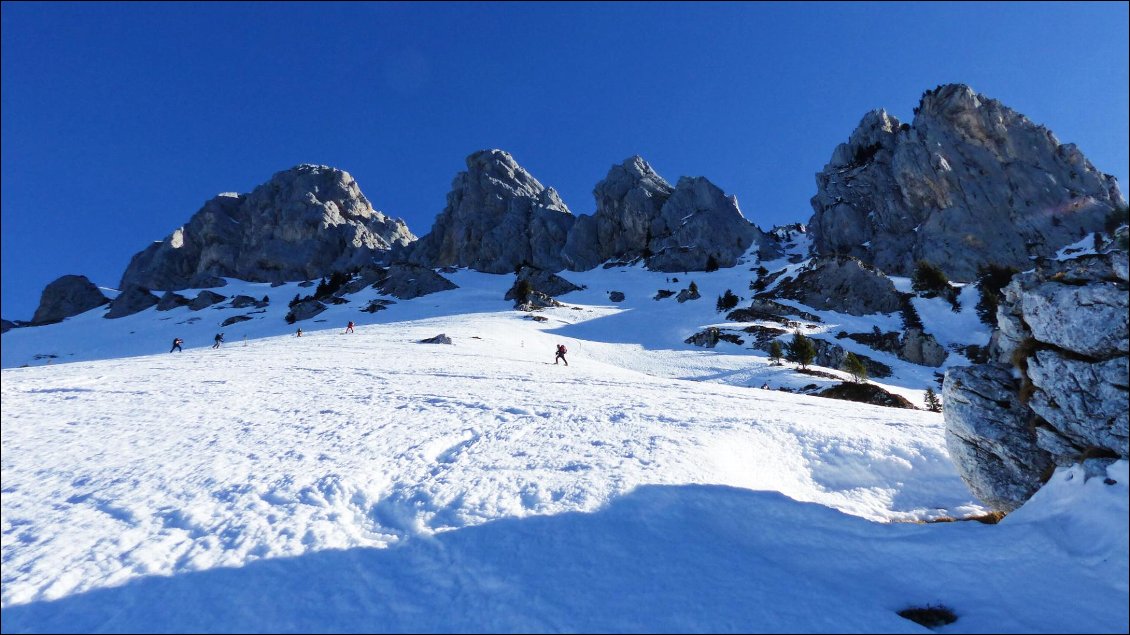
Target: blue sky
120 120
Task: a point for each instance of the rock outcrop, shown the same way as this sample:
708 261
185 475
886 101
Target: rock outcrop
839 283
545 282
172 300
65 297
498 217
132 299
1063 330
692 226
406 281
205 299
304 223
969 182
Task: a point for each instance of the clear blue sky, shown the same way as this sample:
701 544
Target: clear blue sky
120 120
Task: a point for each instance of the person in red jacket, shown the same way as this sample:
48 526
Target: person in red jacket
560 355
349 327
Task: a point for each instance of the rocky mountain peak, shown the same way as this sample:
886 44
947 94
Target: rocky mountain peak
305 222
969 183
498 217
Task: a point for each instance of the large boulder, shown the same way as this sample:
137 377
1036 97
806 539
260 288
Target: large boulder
839 283
65 297
407 281
498 217
968 183
1063 330
545 282
205 299
990 435
306 222
132 299
172 300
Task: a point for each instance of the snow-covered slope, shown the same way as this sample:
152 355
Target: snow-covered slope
368 482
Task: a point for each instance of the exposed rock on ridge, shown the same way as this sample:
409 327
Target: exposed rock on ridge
304 223
968 182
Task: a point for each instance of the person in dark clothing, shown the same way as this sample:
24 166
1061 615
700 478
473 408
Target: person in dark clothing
561 355
176 345
299 333
349 327
218 340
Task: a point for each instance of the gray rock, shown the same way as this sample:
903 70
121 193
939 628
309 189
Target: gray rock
442 338
710 337
243 301
990 437
377 305
365 277
919 347
205 299
67 296
1083 402
969 182
235 319
545 282
839 283
131 300
535 301
7 325
616 296
172 300
407 281
690 293
498 217
304 310
304 223
1064 327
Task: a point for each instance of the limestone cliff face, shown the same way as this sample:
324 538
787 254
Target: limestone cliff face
304 223
968 182
1055 391
498 218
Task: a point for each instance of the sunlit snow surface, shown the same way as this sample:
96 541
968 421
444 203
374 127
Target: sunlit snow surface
367 482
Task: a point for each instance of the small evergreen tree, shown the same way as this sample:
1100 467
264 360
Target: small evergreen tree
991 278
854 365
693 289
522 293
727 301
712 263
932 403
801 350
929 279
266 300
775 352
